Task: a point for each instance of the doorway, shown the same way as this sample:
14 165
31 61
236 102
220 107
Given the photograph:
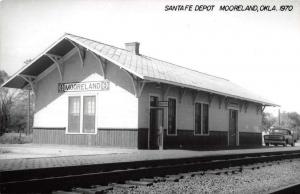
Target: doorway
155 124
233 128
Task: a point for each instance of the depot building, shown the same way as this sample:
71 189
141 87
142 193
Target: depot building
91 93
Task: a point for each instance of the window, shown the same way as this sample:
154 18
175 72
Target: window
82 114
172 117
198 118
201 119
74 114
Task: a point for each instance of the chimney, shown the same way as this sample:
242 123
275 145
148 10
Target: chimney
133 47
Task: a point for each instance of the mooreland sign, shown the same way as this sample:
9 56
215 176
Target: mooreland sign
83 86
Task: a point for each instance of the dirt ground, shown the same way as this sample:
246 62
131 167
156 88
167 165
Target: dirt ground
14 151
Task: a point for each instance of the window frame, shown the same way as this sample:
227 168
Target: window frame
202 120
176 115
81 95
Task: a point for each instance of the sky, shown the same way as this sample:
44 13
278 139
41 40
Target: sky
257 50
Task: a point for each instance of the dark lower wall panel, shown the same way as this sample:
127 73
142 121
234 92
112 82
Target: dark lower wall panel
104 137
250 139
187 139
143 138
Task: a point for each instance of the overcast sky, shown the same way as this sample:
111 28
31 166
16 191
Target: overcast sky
257 50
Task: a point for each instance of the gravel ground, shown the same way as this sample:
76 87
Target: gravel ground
249 181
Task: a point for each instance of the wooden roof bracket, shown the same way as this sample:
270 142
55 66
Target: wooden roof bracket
241 104
263 108
220 99
194 96
226 102
138 85
182 91
246 106
30 80
81 52
141 85
210 98
57 61
164 91
102 64
258 108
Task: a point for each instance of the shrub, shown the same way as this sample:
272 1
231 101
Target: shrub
15 138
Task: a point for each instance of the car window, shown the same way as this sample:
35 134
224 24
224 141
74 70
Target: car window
282 131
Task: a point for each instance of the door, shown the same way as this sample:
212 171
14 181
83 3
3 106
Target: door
155 124
154 129
233 133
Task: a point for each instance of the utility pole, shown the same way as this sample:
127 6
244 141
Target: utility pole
279 116
28 114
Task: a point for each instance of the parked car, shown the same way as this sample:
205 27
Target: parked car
279 135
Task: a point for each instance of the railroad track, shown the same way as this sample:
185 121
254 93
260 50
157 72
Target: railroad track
100 178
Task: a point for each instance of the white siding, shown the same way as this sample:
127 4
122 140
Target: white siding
117 108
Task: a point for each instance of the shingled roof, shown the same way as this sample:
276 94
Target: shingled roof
144 67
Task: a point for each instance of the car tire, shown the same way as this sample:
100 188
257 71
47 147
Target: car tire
267 144
276 144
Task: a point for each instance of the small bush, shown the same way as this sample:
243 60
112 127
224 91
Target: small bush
15 138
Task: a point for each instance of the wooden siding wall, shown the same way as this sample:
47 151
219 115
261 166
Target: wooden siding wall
250 139
104 137
187 140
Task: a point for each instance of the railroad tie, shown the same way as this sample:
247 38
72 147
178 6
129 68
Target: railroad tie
102 188
65 192
88 191
139 183
122 186
173 178
159 179
198 173
185 175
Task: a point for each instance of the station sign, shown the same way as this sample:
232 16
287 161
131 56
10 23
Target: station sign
163 104
83 86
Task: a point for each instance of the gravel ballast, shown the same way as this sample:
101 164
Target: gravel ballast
249 181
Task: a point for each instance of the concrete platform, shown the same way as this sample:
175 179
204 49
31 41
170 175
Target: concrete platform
82 155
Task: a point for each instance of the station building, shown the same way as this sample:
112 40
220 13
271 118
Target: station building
91 93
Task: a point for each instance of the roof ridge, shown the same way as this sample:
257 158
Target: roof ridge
97 41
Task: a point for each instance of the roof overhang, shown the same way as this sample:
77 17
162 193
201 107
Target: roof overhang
42 62
211 91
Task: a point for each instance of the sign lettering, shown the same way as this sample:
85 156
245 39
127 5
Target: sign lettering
83 86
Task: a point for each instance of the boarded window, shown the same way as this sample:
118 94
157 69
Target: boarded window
172 116
89 114
74 114
205 119
197 118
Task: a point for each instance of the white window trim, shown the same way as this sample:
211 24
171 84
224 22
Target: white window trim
201 134
176 112
81 95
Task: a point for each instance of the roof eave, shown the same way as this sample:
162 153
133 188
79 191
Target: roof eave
31 62
210 91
